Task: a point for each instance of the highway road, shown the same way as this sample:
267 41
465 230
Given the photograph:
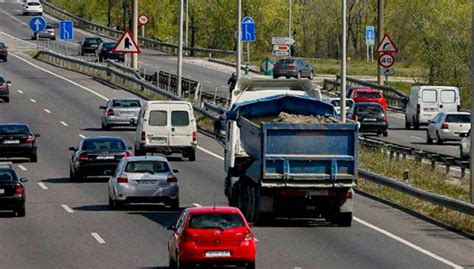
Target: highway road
211 75
69 224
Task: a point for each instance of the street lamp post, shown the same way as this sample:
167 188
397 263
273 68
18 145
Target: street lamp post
289 17
343 62
239 38
380 23
180 47
135 32
187 23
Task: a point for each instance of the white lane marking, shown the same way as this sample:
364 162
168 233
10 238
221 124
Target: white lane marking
98 238
22 167
61 77
256 240
416 137
47 111
196 205
41 184
20 91
210 153
33 100
67 208
409 244
207 81
223 86
63 123
297 267
82 136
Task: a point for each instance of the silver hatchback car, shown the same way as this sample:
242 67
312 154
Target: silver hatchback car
144 179
120 112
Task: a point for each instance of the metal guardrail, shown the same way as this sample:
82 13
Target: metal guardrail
395 98
119 78
433 198
113 33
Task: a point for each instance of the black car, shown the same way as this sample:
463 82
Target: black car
292 67
17 140
96 155
3 52
371 117
104 52
12 190
89 45
4 89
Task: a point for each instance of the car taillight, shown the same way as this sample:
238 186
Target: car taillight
122 179
83 157
19 190
418 109
143 136
195 136
30 139
186 237
110 112
444 126
126 154
276 66
291 66
248 236
172 179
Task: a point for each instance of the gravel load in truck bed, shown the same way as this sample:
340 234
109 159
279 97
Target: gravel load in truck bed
294 118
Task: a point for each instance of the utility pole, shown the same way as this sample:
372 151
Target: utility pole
187 23
380 30
289 17
471 155
109 13
180 47
239 38
343 62
135 33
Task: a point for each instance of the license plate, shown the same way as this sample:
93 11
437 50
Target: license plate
146 181
213 254
318 193
2 191
11 142
368 119
158 140
105 157
126 113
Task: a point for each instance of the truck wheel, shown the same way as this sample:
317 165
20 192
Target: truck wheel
416 125
192 155
407 124
242 197
429 140
438 139
344 219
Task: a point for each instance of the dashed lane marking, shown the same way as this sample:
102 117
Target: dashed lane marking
20 91
33 100
47 111
22 167
82 136
98 238
64 124
42 186
67 208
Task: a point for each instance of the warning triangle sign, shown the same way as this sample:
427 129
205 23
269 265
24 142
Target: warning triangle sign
126 44
386 45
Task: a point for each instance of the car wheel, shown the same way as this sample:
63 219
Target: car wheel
101 59
21 212
5 60
311 76
172 263
72 176
429 140
416 125
438 139
34 157
192 155
385 134
174 204
6 100
275 77
104 126
299 75
250 265
344 219
407 124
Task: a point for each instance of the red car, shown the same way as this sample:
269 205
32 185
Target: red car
3 52
367 95
210 236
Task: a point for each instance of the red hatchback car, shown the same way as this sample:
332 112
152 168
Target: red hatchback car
367 95
210 236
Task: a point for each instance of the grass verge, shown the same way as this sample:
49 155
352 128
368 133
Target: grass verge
421 176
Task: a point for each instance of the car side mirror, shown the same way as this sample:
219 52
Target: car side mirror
23 180
9 83
170 228
37 135
72 148
107 172
103 107
176 171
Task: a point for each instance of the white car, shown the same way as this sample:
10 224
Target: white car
336 103
145 179
465 146
33 8
448 126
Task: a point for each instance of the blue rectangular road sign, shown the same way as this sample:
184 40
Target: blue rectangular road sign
370 35
66 30
248 29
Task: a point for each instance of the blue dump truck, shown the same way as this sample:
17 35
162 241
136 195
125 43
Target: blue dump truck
291 168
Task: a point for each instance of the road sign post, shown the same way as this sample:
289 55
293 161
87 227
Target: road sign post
386 60
143 20
37 24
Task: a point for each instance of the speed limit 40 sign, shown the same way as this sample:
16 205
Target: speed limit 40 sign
386 60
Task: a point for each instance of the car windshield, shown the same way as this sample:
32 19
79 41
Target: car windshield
2 46
33 4
6 175
216 220
109 45
93 41
369 109
286 61
126 103
2 80
458 118
368 95
49 27
147 166
14 129
103 144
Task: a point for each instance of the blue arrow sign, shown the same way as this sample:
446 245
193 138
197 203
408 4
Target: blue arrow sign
248 30
37 24
370 35
66 30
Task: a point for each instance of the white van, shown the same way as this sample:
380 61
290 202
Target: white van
426 101
166 127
